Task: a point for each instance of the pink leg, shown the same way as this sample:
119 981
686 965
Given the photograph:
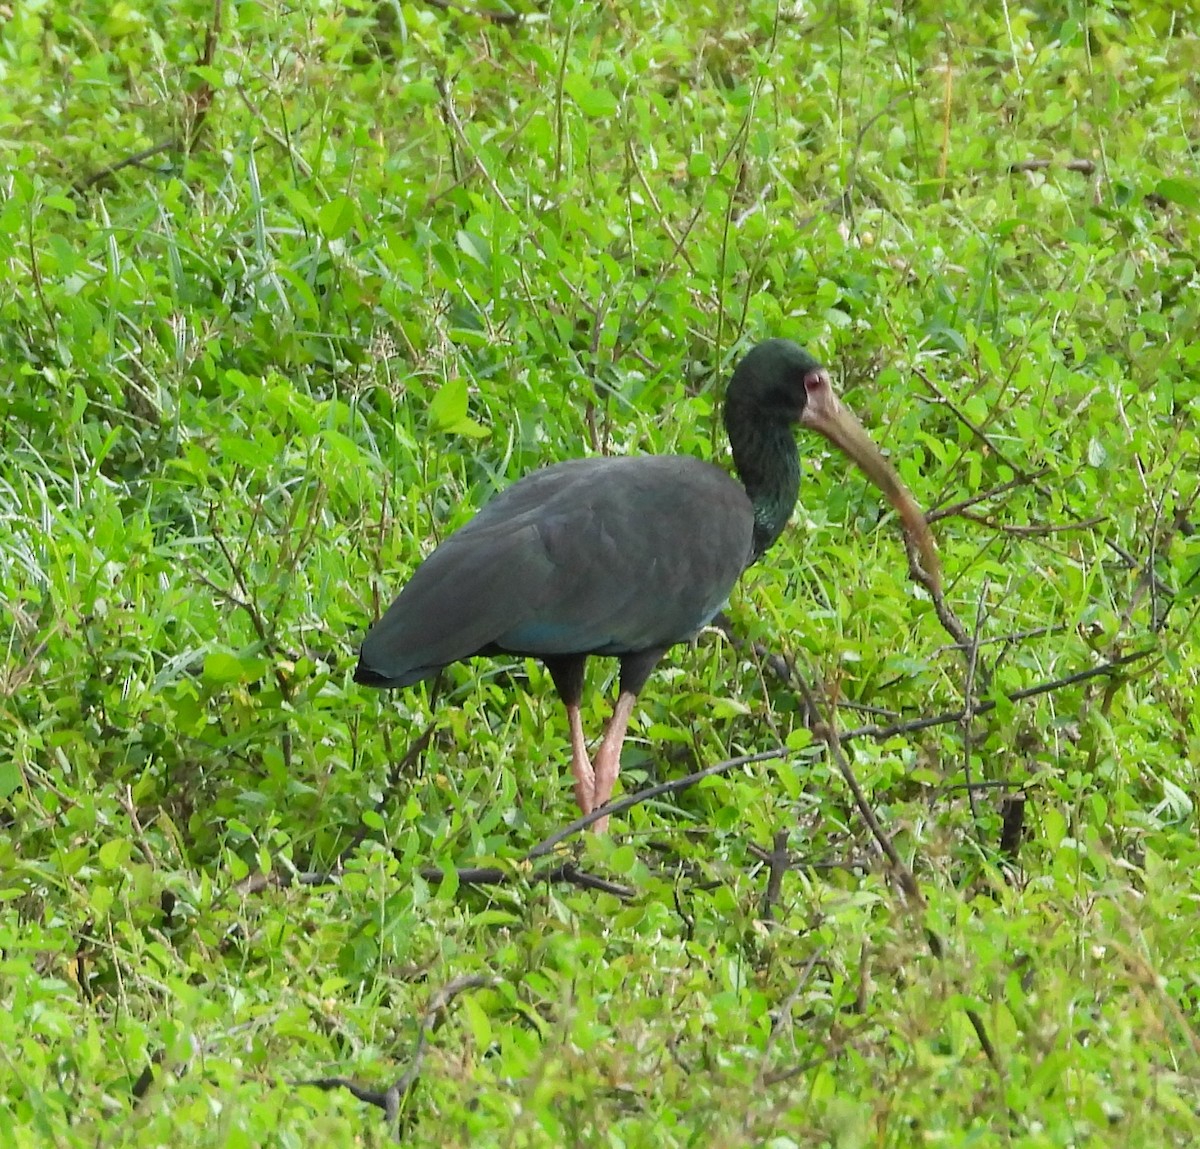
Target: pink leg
607 763
581 764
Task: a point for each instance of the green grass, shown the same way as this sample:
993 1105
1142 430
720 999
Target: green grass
413 254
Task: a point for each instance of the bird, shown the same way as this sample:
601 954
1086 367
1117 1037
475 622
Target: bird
624 556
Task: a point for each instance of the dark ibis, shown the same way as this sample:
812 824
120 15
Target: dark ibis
624 557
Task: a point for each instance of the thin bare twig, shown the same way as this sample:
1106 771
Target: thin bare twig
265 633
904 876
495 875
630 800
932 583
498 876
779 862
1034 530
969 709
675 785
488 14
1085 167
948 716
393 1096
784 1012
946 512
280 139
135 160
974 428
1011 637
395 772
200 101
255 883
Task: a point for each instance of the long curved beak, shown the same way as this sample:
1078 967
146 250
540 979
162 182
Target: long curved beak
825 413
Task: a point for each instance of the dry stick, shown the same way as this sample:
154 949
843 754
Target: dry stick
982 784
949 716
414 751
932 516
612 808
781 1075
495 875
772 659
391 1098
947 105
840 198
946 615
1160 541
1150 981
1087 167
171 145
467 875
779 862
258 882
204 94
1132 562
450 115
677 784
807 862
634 321
265 635
16 674
125 798
280 139
738 184
1034 530
904 876
35 273
648 190
976 430
1009 639
499 876
201 103
736 147
785 1010
490 15
969 709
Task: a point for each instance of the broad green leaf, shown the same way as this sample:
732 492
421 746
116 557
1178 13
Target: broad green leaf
1184 192
448 406
115 852
221 667
448 410
338 216
594 102
799 738
473 246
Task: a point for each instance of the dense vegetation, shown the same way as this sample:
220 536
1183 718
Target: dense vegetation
372 262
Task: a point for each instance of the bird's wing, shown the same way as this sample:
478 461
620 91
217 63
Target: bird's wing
644 555
457 601
603 556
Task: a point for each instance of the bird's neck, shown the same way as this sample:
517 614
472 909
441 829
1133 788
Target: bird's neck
769 466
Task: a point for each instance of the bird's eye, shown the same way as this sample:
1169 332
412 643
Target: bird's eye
815 380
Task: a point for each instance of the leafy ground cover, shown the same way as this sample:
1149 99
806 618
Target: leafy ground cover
291 289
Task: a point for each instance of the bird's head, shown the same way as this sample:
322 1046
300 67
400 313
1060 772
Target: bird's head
773 380
778 382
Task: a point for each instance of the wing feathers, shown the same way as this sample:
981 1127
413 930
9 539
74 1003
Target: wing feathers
605 556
